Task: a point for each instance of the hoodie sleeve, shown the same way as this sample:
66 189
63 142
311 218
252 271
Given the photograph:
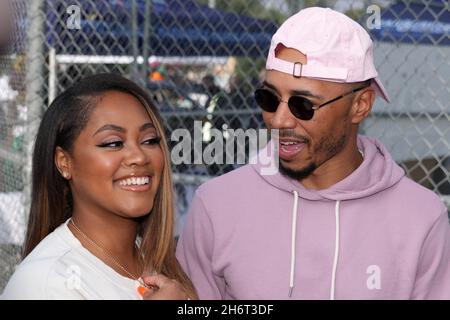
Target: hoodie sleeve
433 274
195 252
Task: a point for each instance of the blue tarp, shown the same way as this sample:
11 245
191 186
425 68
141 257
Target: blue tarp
177 28
416 23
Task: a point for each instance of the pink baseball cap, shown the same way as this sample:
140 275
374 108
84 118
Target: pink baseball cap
337 48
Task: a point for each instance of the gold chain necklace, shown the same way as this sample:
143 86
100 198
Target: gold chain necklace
92 242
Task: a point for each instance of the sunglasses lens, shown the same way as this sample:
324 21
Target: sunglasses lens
266 100
301 107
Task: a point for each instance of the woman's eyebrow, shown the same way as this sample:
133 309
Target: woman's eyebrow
110 127
146 126
114 127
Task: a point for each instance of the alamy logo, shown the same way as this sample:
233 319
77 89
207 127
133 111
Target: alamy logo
221 149
374 279
74 20
374 20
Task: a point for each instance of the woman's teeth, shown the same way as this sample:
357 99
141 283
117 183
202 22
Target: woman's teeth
135 181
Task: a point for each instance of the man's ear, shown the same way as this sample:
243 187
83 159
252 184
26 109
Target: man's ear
362 105
63 163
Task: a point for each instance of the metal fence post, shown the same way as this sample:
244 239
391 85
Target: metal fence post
35 82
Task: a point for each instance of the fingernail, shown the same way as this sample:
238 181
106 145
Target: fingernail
141 290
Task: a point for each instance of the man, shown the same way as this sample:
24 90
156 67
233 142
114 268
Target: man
339 220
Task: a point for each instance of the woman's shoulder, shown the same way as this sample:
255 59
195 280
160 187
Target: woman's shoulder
49 268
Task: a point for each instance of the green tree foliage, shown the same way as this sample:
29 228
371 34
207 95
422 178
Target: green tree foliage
248 69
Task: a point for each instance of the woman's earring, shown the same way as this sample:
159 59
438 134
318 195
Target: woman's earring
66 175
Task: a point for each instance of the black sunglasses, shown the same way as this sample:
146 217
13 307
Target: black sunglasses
301 107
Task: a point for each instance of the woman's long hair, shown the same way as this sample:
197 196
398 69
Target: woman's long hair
51 202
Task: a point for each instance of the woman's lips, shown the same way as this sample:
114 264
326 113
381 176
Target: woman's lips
135 184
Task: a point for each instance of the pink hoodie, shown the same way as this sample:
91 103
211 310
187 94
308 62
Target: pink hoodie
374 235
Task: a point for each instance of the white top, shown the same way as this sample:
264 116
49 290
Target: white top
61 268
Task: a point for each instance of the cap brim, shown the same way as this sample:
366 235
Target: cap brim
380 90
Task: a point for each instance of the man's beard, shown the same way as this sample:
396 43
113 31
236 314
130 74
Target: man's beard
297 174
326 146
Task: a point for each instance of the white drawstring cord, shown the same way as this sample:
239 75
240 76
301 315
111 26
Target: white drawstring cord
336 252
293 240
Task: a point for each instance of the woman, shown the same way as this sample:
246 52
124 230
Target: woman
101 219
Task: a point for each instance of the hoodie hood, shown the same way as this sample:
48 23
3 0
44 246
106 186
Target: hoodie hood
376 173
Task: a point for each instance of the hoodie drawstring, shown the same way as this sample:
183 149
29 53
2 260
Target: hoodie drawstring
336 251
293 240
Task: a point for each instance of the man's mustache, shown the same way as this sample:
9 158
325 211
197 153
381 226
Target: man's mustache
289 133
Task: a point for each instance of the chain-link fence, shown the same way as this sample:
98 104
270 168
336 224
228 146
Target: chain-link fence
201 61
12 128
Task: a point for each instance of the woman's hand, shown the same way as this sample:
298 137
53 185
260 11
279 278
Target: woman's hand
163 288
